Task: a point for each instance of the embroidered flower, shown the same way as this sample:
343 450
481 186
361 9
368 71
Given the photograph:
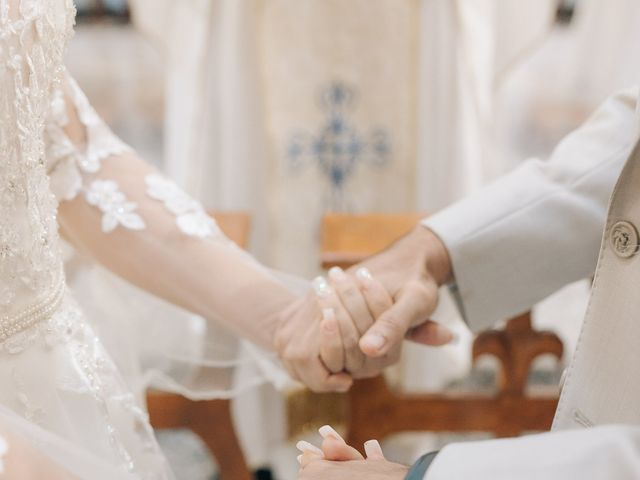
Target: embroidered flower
191 218
7 294
197 224
106 195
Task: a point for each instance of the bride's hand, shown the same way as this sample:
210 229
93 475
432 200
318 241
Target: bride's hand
317 337
297 341
335 449
350 306
337 460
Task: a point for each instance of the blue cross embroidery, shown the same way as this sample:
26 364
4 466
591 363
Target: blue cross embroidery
338 147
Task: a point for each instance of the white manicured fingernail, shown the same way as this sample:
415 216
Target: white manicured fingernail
307 447
364 275
337 274
321 287
328 431
299 458
372 448
374 340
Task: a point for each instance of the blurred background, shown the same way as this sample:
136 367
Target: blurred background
291 109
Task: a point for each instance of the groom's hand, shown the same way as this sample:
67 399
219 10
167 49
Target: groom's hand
315 348
411 270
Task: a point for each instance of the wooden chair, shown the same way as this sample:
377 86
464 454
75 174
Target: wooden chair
348 239
209 419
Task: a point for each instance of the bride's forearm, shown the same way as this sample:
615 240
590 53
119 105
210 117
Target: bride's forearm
141 226
209 276
138 224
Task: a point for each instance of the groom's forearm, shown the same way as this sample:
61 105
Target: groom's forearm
539 227
436 254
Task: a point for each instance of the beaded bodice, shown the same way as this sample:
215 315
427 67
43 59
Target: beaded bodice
33 34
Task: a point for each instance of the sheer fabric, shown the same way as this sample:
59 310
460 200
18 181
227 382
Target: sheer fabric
130 217
28 452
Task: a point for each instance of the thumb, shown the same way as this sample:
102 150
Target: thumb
413 305
338 451
430 333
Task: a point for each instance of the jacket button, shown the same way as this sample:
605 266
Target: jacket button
624 239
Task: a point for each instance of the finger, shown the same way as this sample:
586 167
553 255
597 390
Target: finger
307 457
327 298
315 376
309 453
305 446
338 451
312 373
348 290
373 450
431 333
414 303
375 295
328 431
331 349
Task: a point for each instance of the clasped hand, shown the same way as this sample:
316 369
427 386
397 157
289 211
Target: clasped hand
353 324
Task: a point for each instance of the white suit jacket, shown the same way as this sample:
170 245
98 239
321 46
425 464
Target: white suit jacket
524 237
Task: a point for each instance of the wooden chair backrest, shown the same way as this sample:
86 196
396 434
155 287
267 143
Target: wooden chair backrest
235 225
349 238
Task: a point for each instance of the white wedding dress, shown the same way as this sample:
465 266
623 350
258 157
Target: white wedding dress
54 371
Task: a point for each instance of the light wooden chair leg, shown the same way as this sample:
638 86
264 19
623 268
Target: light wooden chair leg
209 419
212 422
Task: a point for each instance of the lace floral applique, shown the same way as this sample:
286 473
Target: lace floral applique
67 161
31 412
106 195
191 218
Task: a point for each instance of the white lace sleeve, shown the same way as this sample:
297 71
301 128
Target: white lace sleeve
68 161
142 227
75 168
